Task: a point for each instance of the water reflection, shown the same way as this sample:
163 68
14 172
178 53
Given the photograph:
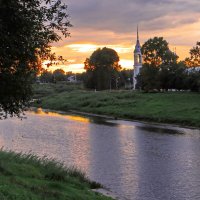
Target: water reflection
160 130
105 154
102 121
135 160
72 116
44 113
128 161
163 172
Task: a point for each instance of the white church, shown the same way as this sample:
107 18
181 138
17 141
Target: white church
137 60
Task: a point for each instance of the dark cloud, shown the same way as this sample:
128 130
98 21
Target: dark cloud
124 15
168 21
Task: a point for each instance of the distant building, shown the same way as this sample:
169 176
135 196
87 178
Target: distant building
72 79
193 69
137 61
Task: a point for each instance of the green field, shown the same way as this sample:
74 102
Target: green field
170 107
24 177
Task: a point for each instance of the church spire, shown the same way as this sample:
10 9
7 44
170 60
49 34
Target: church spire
137 60
137 46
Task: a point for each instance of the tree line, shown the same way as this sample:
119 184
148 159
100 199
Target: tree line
57 75
161 70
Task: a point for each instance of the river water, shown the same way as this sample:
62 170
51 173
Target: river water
137 161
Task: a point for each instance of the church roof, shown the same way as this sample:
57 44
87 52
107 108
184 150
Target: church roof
137 46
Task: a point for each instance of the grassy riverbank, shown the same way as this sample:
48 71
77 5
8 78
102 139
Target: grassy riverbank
24 177
171 107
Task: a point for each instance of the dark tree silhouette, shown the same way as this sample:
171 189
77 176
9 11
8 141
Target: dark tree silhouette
194 59
156 52
159 64
59 75
27 28
102 69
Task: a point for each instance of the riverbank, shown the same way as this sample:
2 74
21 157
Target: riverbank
180 108
25 177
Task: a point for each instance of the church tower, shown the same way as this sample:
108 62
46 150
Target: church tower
137 60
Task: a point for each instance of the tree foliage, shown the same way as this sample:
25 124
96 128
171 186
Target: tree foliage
156 52
193 68
59 75
46 76
148 78
194 59
27 28
102 69
125 79
194 80
159 65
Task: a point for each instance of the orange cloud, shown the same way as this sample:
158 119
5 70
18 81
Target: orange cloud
86 40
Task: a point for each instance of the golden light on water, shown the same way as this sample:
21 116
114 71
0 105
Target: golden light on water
78 118
41 112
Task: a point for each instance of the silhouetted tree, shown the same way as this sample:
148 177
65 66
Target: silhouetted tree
59 75
126 78
27 27
158 65
194 80
194 74
156 52
148 79
173 76
46 77
194 59
102 69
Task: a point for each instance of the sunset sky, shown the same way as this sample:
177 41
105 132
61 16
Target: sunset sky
113 23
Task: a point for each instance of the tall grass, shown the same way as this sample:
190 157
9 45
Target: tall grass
24 177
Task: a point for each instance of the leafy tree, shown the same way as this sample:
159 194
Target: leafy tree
148 79
59 75
194 80
156 52
194 74
158 65
173 76
194 59
126 78
102 69
27 28
46 76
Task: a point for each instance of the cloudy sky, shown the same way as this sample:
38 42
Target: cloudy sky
113 23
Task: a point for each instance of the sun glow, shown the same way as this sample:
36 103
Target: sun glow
125 63
77 53
77 68
82 48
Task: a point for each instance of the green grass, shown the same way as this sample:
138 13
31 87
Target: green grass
27 177
171 107
42 90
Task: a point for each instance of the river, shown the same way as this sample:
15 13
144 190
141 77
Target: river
136 161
